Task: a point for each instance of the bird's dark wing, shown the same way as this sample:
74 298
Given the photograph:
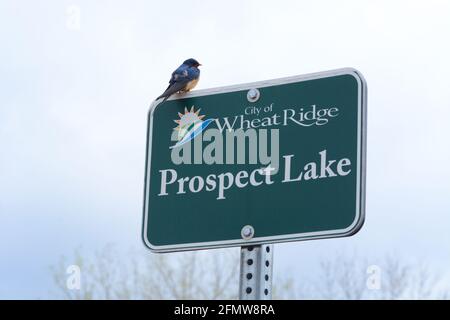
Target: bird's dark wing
179 79
184 72
174 88
180 74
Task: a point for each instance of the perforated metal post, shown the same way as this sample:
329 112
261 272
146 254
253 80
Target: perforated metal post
255 280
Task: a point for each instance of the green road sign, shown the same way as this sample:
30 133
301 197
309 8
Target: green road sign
271 161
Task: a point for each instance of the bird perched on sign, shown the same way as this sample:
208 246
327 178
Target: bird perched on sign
183 79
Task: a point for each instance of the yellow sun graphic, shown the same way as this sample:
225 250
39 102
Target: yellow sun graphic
187 121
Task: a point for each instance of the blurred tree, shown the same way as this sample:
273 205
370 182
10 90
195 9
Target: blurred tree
346 277
112 275
213 274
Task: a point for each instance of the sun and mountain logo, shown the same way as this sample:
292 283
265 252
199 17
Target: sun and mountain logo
190 124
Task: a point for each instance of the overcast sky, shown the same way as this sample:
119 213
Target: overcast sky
74 99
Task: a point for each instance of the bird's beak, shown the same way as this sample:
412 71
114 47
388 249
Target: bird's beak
199 64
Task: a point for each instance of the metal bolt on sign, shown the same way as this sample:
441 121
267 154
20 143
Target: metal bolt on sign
247 232
253 95
255 279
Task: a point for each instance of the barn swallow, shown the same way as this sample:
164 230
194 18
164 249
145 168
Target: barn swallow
183 79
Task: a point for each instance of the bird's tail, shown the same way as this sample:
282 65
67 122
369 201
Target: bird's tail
165 97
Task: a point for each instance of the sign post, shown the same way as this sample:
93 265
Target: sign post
255 164
255 276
